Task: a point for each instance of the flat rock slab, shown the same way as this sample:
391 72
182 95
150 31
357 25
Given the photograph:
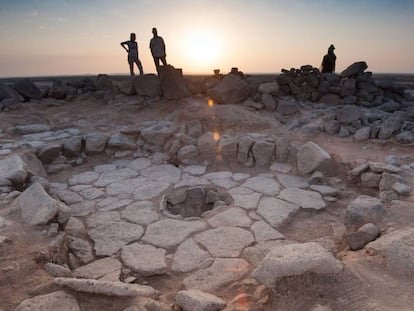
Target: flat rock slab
166 173
54 301
311 157
292 181
36 206
168 233
151 190
225 241
195 300
222 272
139 164
111 237
276 212
262 184
293 260
85 178
13 169
109 177
117 289
235 217
264 232
102 219
189 256
141 213
325 190
145 259
245 197
99 269
303 198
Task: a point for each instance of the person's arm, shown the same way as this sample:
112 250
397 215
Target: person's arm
123 45
163 46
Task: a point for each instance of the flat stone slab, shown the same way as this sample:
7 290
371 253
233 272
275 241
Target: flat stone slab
110 238
102 219
195 300
295 259
245 197
109 177
139 164
151 190
190 181
145 259
141 213
325 190
91 193
276 212
264 232
222 272
292 181
168 233
303 198
281 167
54 301
263 184
85 178
189 256
99 269
166 173
117 289
195 170
225 241
126 186
235 217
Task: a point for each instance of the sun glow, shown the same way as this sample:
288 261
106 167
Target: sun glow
202 48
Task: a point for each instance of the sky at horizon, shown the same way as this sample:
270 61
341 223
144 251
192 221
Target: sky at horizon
68 37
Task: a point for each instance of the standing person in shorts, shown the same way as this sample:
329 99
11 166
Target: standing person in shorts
157 47
131 47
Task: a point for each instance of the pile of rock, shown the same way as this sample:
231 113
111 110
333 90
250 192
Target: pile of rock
352 86
384 177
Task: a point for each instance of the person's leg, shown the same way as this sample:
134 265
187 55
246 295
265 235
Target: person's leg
157 64
141 70
131 67
164 61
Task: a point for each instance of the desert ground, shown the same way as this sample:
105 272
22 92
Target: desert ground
231 192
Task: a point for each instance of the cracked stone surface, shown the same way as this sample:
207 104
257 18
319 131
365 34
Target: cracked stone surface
145 259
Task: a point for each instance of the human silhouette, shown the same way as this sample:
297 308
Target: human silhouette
157 47
131 47
328 62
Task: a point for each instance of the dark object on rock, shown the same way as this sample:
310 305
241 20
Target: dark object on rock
354 69
172 82
27 89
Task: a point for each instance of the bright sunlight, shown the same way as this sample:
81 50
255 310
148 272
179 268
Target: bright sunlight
202 48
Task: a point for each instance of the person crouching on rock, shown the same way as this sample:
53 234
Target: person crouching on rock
329 60
131 47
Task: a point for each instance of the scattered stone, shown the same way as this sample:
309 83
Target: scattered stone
72 146
99 269
159 132
401 189
140 213
117 289
262 184
195 300
95 143
367 233
168 233
269 88
360 169
362 134
145 259
189 256
13 169
287 108
325 190
332 127
225 241
303 198
245 198
378 167
36 206
405 137
49 152
311 157
370 179
222 272
54 301
121 141
230 217
364 209
354 69
294 260
388 180
264 232
57 270
276 212
263 152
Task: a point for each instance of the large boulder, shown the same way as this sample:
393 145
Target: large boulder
392 125
348 113
295 260
127 87
364 209
27 89
354 69
58 90
36 206
148 85
159 132
269 88
8 92
231 90
13 169
286 107
103 82
173 84
367 233
95 143
311 157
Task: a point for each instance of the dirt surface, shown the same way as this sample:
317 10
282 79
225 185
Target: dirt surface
364 284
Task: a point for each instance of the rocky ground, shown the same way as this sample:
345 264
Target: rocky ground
207 193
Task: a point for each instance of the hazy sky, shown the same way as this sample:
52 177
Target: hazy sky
53 37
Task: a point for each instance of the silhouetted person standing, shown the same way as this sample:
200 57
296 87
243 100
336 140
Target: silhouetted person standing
157 47
131 47
329 60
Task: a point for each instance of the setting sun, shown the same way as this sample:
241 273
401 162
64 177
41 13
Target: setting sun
202 48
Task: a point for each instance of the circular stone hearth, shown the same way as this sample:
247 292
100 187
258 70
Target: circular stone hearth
196 200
